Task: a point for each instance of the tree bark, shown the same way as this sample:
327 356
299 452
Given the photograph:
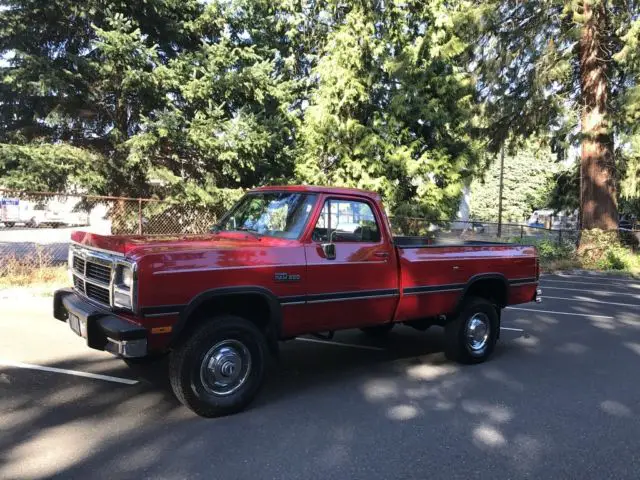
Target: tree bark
598 195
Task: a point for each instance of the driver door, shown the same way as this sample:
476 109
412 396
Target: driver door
359 287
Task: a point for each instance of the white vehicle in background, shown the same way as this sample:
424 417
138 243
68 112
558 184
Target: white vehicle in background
56 213
15 211
553 220
59 213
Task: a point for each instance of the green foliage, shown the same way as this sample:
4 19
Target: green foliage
197 101
603 251
43 167
529 176
533 81
550 250
394 109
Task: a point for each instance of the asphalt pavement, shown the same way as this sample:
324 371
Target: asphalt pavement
559 399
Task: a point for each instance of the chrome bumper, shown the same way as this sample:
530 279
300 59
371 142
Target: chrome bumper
127 348
101 329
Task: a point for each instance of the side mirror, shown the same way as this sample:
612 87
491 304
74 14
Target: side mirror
329 250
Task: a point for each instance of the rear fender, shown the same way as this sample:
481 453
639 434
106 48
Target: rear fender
501 296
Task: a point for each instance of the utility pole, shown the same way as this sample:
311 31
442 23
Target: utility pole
500 194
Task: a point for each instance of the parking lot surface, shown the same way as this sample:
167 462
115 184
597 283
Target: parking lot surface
558 400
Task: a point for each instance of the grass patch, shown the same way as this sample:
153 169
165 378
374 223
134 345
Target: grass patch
599 251
37 269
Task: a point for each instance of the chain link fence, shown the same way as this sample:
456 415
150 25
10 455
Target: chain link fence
38 225
456 230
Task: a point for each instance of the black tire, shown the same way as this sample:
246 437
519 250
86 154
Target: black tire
243 342
460 346
10 224
378 331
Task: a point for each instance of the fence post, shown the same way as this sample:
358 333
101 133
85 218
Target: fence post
139 216
560 237
521 232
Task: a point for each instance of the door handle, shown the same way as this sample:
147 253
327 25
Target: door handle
382 254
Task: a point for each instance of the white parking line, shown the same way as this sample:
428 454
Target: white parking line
96 376
594 277
593 300
623 284
338 344
560 313
512 329
591 291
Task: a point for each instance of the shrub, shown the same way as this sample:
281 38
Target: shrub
34 269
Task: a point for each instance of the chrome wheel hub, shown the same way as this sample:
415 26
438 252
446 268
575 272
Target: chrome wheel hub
225 367
478 328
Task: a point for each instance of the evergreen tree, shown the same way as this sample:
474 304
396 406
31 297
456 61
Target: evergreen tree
81 73
529 177
394 109
553 65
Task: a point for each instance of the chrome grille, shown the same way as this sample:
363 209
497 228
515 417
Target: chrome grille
78 283
93 272
99 272
97 293
92 276
78 264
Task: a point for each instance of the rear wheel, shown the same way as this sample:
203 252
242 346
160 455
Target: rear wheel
378 331
220 368
471 337
9 224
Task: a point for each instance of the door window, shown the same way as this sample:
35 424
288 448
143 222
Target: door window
348 221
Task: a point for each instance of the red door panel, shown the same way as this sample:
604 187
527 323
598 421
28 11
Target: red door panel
360 286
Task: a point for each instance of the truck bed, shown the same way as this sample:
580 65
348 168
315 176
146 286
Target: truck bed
418 242
435 275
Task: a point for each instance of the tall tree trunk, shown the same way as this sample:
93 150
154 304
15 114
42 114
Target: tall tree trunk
598 197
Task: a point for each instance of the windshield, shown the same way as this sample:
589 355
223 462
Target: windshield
274 214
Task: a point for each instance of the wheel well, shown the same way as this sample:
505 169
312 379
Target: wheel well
251 306
492 289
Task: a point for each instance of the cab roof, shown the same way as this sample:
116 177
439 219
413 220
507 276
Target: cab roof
318 189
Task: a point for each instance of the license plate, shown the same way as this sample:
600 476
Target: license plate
77 325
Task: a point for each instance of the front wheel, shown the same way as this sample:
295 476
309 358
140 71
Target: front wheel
471 337
220 368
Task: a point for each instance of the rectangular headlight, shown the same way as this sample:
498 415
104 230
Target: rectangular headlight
126 277
121 300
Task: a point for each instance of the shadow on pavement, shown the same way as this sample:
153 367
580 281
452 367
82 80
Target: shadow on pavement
561 402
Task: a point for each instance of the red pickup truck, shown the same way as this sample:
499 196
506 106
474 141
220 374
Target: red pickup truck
283 262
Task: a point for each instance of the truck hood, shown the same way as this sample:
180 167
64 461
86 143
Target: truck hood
140 245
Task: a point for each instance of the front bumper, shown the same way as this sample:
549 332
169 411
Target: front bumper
101 328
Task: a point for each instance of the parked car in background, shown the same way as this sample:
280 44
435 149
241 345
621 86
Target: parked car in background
625 224
59 214
14 211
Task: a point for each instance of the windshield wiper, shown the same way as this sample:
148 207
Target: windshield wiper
249 230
